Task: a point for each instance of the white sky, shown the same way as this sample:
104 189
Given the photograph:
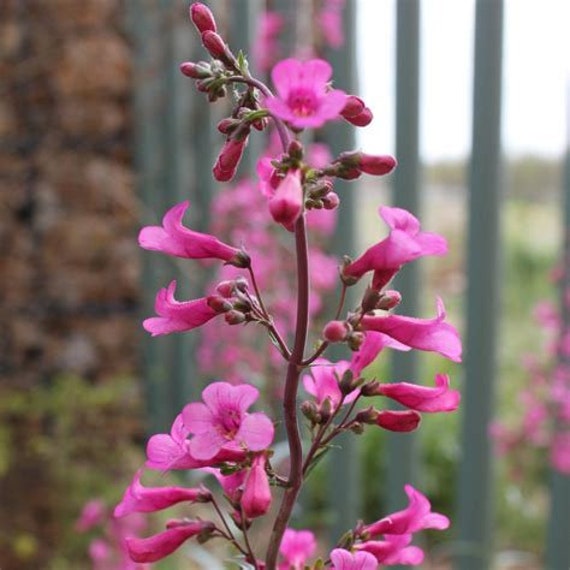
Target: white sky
536 75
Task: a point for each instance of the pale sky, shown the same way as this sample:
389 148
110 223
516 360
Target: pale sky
536 76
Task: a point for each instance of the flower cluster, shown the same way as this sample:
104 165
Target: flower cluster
223 434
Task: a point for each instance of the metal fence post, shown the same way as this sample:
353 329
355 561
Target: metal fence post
475 472
558 533
402 452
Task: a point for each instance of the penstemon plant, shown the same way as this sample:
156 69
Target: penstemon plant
221 434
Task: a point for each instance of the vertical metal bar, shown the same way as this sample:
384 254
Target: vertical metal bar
144 25
557 543
475 473
345 471
402 451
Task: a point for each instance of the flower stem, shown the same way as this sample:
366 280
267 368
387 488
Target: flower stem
290 397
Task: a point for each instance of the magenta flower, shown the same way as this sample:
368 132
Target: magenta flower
286 204
345 560
297 546
393 549
176 316
398 420
422 398
256 498
160 545
433 335
405 243
171 451
221 422
304 97
92 514
417 516
173 238
140 499
322 382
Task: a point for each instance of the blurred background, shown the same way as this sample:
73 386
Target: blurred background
100 134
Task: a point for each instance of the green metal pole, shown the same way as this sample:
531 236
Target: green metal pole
402 452
344 480
557 541
474 521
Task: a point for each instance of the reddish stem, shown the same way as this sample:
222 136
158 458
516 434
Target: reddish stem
290 397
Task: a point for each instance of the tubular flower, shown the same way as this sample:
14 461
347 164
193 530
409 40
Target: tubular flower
256 498
286 204
398 420
297 546
417 516
221 422
405 243
158 546
140 499
422 398
433 335
393 549
345 560
304 98
176 316
173 238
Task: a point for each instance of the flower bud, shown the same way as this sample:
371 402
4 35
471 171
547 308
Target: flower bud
226 289
362 119
234 317
388 300
199 70
228 160
215 45
202 17
218 304
401 421
286 204
353 107
335 331
331 201
377 165
326 409
228 125
295 150
256 498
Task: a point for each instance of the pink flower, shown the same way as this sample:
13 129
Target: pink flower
266 47
175 316
434 335
404 244
417 516
398 420
171 451
229 158
345 560
286 204
202 17
92 514
356 112
175 239
256 498
323 382
330 23
221 422
297 546
304 98
393 549
140 499
160 545
422 398
560 452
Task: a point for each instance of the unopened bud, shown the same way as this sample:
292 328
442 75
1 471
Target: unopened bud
335 331
362 119
228 125
326 409
241 284
388 300
377 165
234 317
353 107
215 45
348 383
309 410
331 201
202 17
401 421
295 150
355 340
218 304
226 289
199 70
